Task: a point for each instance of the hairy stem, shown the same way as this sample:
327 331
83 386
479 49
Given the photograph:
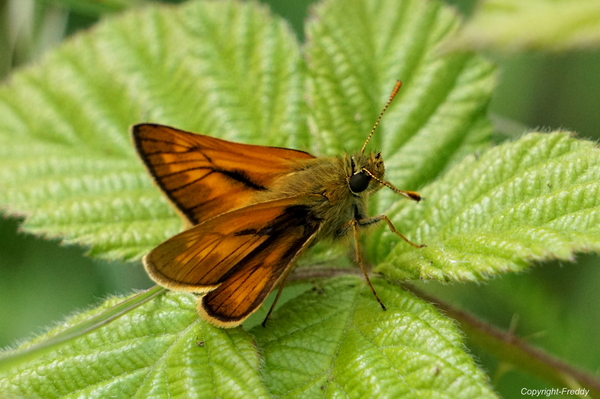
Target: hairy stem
514 350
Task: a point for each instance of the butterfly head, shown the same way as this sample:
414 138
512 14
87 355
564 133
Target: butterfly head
365 172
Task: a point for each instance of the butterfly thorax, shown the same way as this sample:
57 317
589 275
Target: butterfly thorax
330 178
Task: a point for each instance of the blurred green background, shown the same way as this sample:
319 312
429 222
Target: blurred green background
555 306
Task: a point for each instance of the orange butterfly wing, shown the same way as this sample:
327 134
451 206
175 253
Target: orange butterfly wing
205 176
237 258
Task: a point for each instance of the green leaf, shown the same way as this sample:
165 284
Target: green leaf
55 341
338 342
72 168
357 50
158 350
515 25
66 159
531 200
326 343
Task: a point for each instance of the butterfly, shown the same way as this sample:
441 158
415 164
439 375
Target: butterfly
253 211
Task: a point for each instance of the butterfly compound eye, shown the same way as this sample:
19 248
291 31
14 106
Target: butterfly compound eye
359 182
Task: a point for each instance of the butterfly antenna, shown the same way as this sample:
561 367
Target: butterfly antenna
394 92
408 194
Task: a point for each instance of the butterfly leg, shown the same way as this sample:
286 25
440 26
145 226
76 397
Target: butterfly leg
377 219
355 223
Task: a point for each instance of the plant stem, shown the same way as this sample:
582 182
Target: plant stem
514 350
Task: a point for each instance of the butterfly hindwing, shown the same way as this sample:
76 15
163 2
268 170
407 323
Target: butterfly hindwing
204 176
237 258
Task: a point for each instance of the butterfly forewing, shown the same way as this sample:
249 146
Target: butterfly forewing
205 176
237 258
